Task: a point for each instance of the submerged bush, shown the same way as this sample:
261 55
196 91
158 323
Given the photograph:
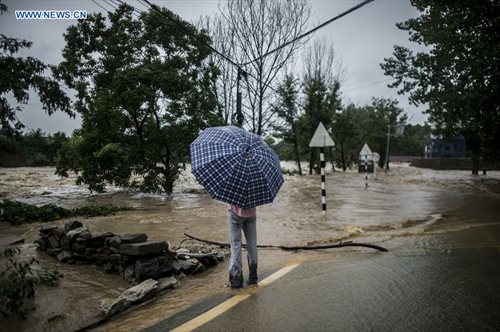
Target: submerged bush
18 282
17 213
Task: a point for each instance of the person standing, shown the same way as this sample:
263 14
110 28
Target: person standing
242 220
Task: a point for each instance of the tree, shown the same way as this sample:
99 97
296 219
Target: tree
259 27
321 92
356 125
143 91
224 84
457 77
19 75
343 136
286 109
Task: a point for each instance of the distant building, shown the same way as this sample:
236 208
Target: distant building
447 148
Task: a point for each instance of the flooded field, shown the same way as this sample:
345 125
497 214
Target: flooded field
405 210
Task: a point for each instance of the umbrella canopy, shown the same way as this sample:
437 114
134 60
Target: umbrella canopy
236 166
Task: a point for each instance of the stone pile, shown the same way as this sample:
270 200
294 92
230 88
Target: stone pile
132 255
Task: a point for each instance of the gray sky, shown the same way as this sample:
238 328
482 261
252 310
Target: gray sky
362 39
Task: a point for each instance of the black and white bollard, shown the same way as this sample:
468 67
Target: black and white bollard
320 139
323 189
366 173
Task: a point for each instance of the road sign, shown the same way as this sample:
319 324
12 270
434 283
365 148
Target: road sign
321 138
399 129
365 153
375 156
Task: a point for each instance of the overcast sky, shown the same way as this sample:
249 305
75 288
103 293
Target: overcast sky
362 38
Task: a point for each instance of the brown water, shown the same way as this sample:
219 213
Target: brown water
405 203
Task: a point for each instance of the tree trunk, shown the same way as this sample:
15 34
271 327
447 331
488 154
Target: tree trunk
311 160
296 149
475 165
331 159
342 157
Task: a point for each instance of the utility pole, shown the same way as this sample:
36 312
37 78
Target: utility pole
387 150
239 113
398 131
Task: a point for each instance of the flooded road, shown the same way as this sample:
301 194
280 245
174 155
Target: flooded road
408 210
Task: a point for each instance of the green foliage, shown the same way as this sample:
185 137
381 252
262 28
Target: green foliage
143 95
287 110
34 148
18 282
19 76
322 100
457 77
17 213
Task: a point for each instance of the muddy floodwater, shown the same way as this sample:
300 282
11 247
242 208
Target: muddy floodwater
407 210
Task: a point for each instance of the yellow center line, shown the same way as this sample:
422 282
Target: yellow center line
228 304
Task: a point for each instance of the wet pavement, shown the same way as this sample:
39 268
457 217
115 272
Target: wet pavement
454 289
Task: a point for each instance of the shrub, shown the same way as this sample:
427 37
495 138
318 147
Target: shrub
17 213
18 282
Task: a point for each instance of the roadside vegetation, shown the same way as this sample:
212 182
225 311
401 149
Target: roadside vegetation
17 213
19 281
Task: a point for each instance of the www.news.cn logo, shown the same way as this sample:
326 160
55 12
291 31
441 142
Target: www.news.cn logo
51 14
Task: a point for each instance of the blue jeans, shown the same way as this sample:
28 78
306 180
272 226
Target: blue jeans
248 225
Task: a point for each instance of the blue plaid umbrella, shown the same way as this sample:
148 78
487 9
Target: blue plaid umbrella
236 167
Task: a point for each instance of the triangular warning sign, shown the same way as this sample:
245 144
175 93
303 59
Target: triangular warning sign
321 137
365 151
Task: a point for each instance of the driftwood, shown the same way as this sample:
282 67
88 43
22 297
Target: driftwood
324 246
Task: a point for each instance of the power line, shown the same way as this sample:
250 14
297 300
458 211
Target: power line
311 31
169 17
138 12
367 85
105 9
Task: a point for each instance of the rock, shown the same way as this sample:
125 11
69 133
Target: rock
134 238
108 235
71 225
220 256
65 243
139 293
53 242
143 248
96 241
128 273
42 244
146 268
47 229
205 259
65 255
183 251
185 266
109 267
58 233
105 258
18 241
166 269
167 283
74 233
53 251
83 236
199 269
78 247
114 241
114 250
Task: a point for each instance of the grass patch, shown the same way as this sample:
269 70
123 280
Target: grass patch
17 213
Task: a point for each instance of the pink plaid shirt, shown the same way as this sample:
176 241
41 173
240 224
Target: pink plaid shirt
241 212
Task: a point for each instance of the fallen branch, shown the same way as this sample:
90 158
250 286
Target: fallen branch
325 246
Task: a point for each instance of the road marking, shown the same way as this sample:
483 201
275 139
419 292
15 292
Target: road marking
226 305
